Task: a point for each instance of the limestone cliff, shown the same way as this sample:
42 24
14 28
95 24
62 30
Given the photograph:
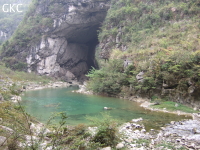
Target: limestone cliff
63 40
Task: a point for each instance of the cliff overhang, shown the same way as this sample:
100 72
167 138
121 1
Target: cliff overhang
66 46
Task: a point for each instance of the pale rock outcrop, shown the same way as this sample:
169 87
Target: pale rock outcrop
3 140
106 148
120 146
140 77
66 47
3 35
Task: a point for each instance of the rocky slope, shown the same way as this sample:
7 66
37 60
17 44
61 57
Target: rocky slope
58 38
10 19
153 51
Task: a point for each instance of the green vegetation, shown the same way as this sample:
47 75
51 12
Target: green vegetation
162 39
170 146
62 136
140 142
109 79
12 82
28 31
6 73
172 106
16 126
107 133
14 118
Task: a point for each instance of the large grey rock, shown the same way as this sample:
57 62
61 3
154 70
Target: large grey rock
137 120
196 116
66 47
6 129
191 89
127 63
3 35
106 148
3 140
120 146
140 77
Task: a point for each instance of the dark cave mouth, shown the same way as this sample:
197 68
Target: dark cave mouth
91 54
82 44
87 36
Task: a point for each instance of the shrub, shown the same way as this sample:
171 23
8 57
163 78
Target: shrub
107 134
15 64
108 80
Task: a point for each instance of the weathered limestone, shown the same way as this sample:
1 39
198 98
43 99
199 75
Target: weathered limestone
66 47
3 141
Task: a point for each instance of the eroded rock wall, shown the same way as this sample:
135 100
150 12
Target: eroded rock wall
66 46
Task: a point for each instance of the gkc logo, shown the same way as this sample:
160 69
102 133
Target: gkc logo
11 7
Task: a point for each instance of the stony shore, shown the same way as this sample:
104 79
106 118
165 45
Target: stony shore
147 105
144 102
23 86
83 89
177 135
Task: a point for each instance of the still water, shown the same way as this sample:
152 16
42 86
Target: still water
43 103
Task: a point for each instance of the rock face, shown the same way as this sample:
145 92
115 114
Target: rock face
3 140
67 46
3 36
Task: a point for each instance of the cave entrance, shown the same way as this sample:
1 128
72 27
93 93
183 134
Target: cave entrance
80 29
87 36
79 56
91 54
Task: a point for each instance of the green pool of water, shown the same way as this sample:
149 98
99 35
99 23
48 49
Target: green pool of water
42 103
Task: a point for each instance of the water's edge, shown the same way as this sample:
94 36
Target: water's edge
125 108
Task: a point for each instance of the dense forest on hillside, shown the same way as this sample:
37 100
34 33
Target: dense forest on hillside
161 39
10 20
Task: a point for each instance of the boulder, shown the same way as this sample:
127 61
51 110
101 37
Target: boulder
107 108
6 129
127 63
176 105
3 140
191 89
16 99
92 130
136 120
120 146
140 77
143 130
106 148
196 116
